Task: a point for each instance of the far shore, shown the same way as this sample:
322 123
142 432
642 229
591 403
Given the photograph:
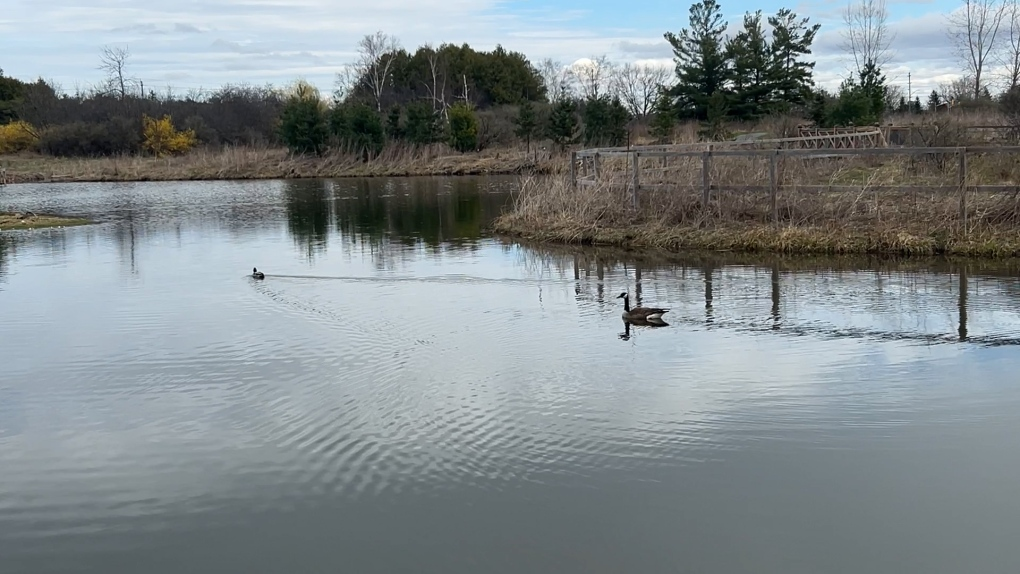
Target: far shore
765 239
236 163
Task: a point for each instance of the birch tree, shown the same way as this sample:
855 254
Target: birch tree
974 30
375 60
437 73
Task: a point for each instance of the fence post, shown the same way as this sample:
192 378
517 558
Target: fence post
706 177
595 165
637 179
774 186
962 154
573 169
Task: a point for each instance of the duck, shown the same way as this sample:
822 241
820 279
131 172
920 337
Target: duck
640 313
255 273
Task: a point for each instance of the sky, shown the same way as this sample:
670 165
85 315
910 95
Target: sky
205 44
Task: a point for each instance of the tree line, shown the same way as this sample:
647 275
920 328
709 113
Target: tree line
473 99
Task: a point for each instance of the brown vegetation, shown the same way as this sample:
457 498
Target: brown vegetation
31 220
276 163
879 204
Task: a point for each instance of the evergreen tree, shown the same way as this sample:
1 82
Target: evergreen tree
526 122
916 105
818 108
701 65
663 120
605 122
714 126
791 40
860 101
393 129
562 126
357 128
463 127
933 101
303 126
751 58
422 126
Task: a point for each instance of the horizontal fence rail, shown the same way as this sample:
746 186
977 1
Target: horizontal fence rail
588 168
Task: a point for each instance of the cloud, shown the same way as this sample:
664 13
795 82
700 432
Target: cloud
274 41
658 49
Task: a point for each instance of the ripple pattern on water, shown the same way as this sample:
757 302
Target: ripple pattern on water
451 390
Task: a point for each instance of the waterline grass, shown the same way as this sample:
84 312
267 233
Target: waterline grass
551 209
243 162
12 221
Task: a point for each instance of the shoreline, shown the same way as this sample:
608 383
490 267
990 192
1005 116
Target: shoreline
29 220
243 163
762 239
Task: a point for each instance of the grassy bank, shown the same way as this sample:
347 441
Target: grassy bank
274 163
839 222
30 220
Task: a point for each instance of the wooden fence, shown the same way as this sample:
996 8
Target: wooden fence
586 169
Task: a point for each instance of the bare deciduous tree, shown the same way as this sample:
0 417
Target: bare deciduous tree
974 30
958 90
113 61
437 91
594 78
556 77
1010 55
638 86
346 81
866 35
375 59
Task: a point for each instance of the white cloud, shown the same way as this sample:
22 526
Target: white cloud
258 41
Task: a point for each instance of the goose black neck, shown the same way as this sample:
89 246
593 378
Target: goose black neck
626 302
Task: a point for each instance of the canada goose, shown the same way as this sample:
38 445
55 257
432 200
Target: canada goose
640 313
255 273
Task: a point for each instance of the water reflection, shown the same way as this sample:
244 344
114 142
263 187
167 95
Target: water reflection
899 287
309 214
483 410
385 215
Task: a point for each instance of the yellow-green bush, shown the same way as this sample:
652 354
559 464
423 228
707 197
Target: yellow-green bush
17 136
161 138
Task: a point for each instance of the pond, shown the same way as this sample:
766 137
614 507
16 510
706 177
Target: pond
404 393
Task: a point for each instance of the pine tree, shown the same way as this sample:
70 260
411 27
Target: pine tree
303 125
463 127
751 58
422 126
393 130
562 126
791 40
701 65
933 101
663 120
714 127
605 121
526 122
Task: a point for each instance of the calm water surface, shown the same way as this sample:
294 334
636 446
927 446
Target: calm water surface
405 394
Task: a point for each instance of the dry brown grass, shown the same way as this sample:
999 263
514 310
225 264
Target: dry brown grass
30 220
844 211
277 163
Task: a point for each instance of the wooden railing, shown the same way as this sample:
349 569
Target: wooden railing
586 169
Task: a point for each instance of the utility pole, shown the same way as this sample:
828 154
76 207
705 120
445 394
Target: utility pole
910 95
